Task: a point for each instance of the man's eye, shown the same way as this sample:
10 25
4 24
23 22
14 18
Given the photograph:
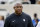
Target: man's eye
20 7
17 7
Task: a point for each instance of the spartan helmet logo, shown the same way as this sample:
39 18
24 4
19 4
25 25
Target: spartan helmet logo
24 20
13 21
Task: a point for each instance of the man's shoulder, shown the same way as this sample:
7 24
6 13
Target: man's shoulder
10 17
38 25
26 14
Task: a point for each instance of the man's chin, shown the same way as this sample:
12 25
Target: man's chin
19 12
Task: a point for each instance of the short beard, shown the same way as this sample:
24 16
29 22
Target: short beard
18 13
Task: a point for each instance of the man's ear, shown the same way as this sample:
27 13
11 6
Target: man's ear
14 7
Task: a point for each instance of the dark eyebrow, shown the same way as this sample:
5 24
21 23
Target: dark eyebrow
18 6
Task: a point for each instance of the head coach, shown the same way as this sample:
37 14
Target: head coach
18 18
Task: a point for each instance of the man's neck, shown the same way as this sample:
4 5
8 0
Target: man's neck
18 13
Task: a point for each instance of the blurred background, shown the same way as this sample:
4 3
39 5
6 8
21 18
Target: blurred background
29 7
6 7
22 1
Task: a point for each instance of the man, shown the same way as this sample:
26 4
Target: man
35 19
2 2
1 21
18 18
38 25
36 22
26 2
33 1
38 2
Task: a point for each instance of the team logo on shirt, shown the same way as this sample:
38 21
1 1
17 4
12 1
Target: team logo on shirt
24 20
13 21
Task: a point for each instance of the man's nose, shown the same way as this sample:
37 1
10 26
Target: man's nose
19 8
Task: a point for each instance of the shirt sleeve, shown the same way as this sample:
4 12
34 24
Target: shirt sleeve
6 24
38 24
30 22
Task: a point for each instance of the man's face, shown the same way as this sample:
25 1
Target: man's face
0 17
18 8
